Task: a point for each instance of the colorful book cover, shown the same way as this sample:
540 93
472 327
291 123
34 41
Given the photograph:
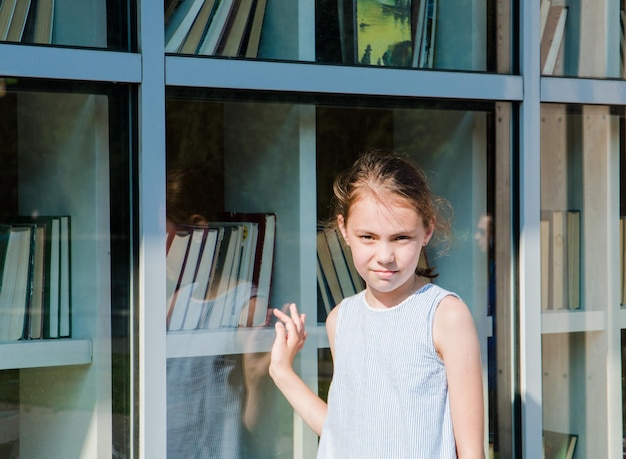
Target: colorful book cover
384 32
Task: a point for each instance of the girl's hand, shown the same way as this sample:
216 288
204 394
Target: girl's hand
290 338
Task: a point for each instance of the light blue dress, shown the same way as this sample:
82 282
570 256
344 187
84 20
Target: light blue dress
389 394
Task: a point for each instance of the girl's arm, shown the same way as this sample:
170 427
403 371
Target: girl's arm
456 341
290 337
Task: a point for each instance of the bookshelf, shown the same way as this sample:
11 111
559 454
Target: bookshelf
580 151
106 105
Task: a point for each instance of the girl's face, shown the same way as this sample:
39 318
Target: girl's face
386 236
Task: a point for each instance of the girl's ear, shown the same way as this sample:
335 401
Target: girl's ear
341 223
430 229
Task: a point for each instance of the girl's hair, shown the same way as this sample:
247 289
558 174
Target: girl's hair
379 173
188 193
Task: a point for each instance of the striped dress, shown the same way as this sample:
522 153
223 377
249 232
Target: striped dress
389 394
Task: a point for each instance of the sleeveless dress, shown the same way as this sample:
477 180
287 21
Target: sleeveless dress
389 393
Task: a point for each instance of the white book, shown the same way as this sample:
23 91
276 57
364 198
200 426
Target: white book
180 23
214 34
64 280
185 287
202 279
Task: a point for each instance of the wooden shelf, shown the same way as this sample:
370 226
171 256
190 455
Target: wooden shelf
197 343
572 321
45 353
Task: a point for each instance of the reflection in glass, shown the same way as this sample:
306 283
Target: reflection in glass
580 38
392 33
61 151
91 23
579 146
218 404
250 157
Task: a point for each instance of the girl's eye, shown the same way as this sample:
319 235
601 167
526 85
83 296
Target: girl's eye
403 238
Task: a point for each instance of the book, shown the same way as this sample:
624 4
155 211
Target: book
214 33
180 23
202 279
557 445
227 264
207 302
253 37
418 14
573 259
18 20
177 245
16 287
182 295
383 32
340 262
357 280
236 28
168 8
37 300
45 273
346 10
263 261
65 285
199 28
552 37
324 291
7 7
623 42
426 51
39 23
241 280
327 269
558 260
544 10
52 308
561 234
622 259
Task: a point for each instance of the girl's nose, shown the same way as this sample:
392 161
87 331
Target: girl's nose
385 253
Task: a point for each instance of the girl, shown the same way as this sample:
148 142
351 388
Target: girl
407 374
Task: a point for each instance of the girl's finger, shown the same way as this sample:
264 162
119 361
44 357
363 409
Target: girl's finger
281 332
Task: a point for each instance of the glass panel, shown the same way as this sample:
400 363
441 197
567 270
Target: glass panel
90 23
65 249
582 38
233 159
396 33
579 146
458 137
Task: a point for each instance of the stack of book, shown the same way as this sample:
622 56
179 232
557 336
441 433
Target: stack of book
35 296
214 27
337 278
26 20
219 274
560 259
